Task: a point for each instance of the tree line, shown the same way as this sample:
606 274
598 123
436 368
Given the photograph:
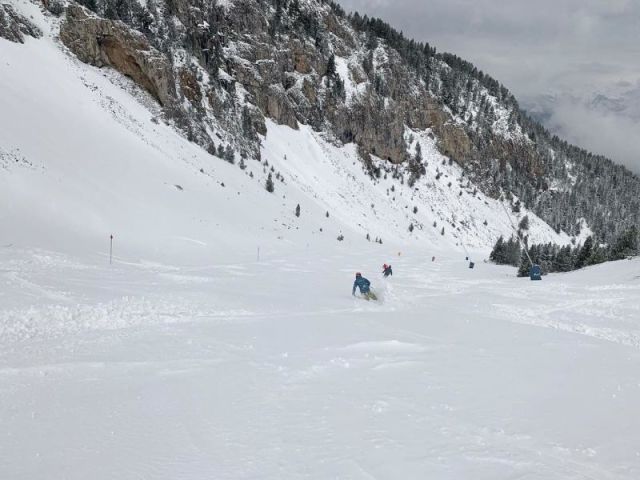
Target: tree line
554 258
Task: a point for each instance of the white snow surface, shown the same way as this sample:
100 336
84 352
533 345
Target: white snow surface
223 340
350 87
271 369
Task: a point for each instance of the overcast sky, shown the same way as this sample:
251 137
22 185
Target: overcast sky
572 49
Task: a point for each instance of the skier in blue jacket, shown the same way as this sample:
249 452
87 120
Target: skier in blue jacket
364 285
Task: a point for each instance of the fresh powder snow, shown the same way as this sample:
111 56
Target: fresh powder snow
220 339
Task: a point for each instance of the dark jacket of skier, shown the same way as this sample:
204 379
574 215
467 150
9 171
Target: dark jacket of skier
386 270
362 283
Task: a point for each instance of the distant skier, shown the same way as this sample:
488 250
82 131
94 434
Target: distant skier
364 285
386 270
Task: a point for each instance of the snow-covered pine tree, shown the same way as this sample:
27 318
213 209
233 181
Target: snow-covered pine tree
269 184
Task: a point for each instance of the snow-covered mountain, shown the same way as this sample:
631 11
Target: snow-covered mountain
316 115
86 153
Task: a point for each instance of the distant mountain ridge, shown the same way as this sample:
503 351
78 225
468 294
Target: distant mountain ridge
604 121
623 101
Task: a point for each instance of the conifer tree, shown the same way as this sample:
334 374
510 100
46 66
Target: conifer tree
625 245
229 154
331 66
582 259
269 184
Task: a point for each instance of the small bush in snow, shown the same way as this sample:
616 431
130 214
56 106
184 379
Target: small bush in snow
516 207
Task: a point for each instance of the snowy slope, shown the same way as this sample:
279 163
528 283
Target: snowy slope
272 370
333 177
100 165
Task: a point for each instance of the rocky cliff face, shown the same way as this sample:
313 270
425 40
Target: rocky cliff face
235 68
220 69
103 42
14 27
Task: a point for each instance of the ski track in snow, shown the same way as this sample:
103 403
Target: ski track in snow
440 378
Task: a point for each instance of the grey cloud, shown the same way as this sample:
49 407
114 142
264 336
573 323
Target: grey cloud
608 134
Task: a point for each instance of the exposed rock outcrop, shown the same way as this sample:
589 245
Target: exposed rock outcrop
454 142
14 27
285 78
376 128
189 86
103 42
